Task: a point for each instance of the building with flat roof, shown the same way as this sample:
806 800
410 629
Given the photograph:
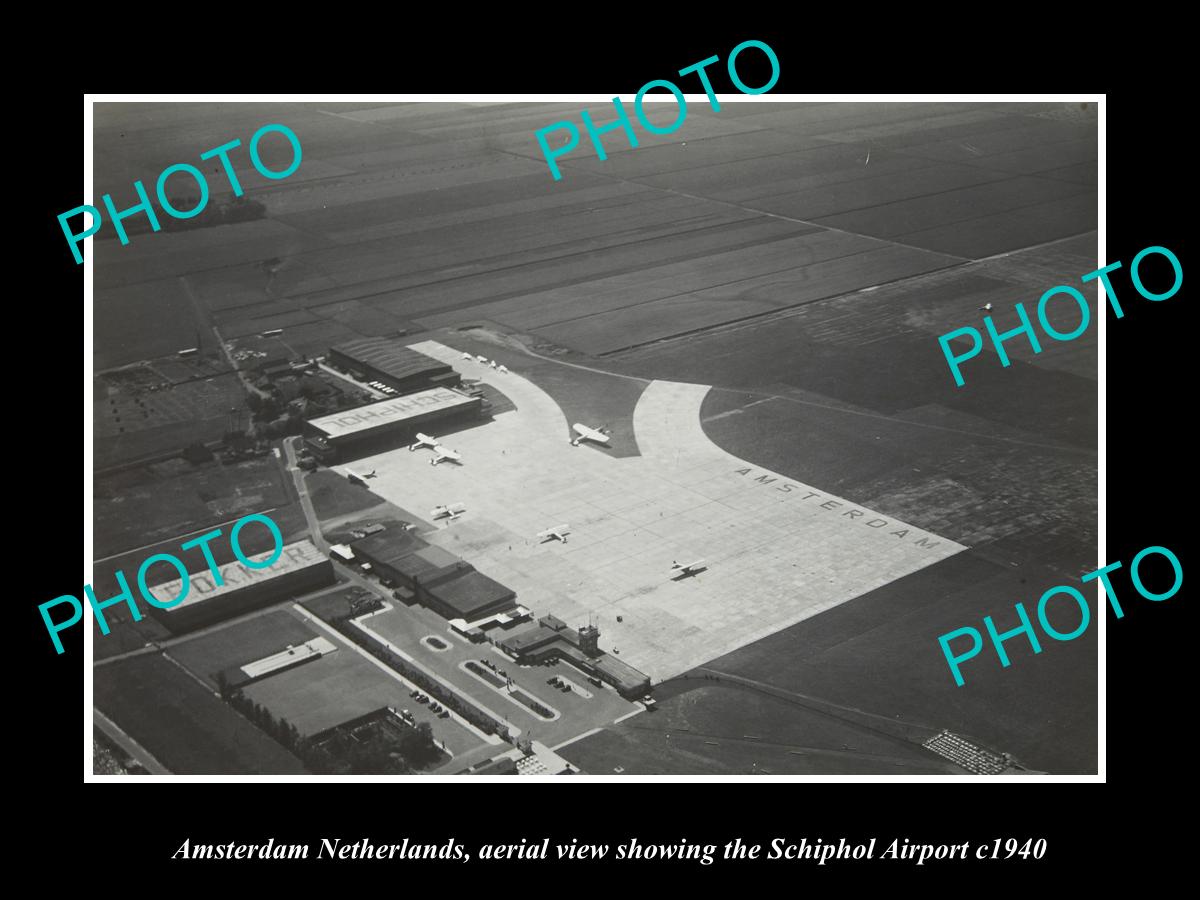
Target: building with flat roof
287 658
387 423
403 557
466 594
301 568
552 639
393 364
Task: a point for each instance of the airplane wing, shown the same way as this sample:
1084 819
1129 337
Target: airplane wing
590 433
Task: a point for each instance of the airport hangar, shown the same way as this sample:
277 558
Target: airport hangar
383 425
403 369
458 592
438 579
301 568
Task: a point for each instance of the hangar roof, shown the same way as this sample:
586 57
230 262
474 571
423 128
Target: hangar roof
386 412
390 358
235 575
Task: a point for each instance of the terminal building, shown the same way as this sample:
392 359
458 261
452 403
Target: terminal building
393 364
301 568
552 639
388 423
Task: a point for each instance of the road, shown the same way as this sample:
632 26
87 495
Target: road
310 514
128 744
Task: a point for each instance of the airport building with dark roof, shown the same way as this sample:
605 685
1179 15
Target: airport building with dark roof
437 578
393 364
387 424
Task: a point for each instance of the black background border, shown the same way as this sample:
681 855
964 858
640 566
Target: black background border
1148 453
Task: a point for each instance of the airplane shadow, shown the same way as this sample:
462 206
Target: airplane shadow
691 574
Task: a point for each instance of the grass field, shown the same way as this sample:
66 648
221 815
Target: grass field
726 729
416 218
325 693
591 398
188 729
341 686
242 643
139 507
334 496
879 655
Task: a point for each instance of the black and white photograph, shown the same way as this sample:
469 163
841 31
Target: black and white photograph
705 432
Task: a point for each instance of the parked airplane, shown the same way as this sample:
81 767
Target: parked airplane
423 440
451 512
685 571
599 435
467 356
482 359
443 454
355 478
502 369
557 533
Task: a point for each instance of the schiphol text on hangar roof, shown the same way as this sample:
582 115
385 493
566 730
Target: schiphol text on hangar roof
390 411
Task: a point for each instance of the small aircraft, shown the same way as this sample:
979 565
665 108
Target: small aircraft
502 369
557 533
451 512
482 359
423 440
492 364
443 454
599 435
467 356
355 478
686 571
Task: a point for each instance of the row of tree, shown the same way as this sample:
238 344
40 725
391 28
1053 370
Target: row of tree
400 752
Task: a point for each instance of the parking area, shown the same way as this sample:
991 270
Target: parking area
406 628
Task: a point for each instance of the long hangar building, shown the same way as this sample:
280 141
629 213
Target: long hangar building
399 367
301 568
382 425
